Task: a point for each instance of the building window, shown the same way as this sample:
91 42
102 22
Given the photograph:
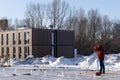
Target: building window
14 38
19 51
2 39
26 37
19 38
7 39
7 50
14 51
2 51
26 51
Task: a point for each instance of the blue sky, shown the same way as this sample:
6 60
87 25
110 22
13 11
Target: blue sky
13 9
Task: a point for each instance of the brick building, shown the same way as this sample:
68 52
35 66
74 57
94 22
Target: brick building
20 43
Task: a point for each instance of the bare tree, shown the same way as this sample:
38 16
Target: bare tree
10 24
77 21
71 22
19 23
106 32
35 15
116 30
56 13
82 29
116 37
94 22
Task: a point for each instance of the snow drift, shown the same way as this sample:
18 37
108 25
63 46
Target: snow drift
112 61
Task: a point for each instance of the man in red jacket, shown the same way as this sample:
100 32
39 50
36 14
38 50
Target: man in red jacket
100 54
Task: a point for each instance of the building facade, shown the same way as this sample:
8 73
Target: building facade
20 43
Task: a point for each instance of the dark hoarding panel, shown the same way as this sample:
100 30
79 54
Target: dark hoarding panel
61 37
42 37
65 38
53 42
40 51
66 51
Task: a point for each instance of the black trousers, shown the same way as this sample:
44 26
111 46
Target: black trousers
102 66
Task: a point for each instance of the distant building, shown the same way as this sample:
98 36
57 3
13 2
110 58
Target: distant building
3 24
20 43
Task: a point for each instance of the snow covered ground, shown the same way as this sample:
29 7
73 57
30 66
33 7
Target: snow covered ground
50 68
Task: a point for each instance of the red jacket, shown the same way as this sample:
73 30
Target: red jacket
100 52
